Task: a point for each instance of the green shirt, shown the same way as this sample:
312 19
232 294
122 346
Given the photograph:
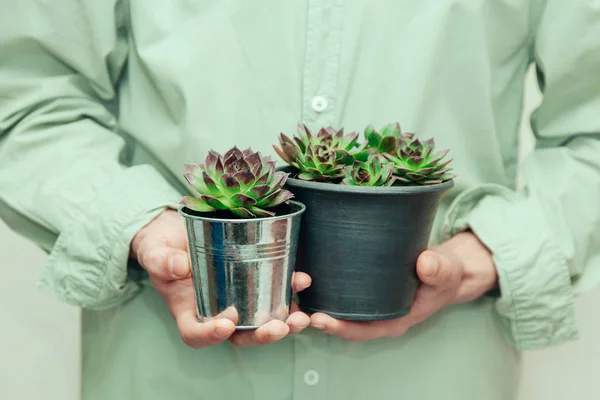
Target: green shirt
102 102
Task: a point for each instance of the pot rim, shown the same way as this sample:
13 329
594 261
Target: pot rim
375 190
302 208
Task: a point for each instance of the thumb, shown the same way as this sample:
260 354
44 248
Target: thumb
166 263
438 270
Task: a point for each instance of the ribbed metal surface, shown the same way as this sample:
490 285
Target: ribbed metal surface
242 269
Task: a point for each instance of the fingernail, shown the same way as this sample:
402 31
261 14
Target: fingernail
431 265
178 265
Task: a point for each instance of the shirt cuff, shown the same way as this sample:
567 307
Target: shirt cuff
88 263
535 306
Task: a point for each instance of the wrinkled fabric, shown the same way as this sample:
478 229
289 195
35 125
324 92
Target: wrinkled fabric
102 103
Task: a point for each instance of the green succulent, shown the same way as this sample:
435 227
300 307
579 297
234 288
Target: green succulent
320 157
376 171
417 163
378 142
243 182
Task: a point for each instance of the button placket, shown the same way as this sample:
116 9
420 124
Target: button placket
312 360
320 85
322 62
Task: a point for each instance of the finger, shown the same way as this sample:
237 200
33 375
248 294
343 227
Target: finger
297 321
294 308
165 263
428 300
201 334
436 269
172 229
300 281
270 332
230 313
356 331
167 229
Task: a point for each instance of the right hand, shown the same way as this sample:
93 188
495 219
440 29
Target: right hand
161 248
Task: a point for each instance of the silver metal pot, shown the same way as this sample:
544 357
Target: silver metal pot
242 268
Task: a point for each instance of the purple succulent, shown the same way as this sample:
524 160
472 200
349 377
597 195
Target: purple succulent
417 163
320 157
243 182
376 171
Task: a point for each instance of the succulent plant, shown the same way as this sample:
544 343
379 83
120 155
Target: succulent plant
320 157
243 182
376 171
378 142
417 163
330 156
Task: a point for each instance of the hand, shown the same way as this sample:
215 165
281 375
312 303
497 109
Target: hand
459 270
161 247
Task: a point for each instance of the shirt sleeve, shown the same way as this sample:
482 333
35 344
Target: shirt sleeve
64 179
545 238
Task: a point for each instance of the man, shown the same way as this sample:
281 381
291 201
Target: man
103 102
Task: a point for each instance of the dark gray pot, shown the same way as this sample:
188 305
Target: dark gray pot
360 246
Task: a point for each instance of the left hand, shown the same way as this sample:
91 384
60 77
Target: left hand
458 270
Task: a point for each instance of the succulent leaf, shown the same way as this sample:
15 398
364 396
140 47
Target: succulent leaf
393 130
260 212
191 178
234 151
243 212
242 200
211 162
277 197
368 130
283 155
197 204
230 185
387 144
245 177
208 186
305 176
259 191
264 178
278 180
215 202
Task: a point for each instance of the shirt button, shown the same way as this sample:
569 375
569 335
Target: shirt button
311 377
319 103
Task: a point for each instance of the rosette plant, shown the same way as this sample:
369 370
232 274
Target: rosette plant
379 142
370 207
320 157
330 156
242 229
417 162
376 171
242 182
